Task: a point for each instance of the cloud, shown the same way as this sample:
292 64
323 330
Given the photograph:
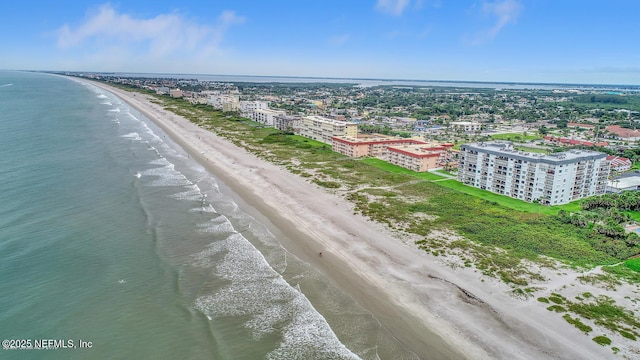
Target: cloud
506 11
164 34
393 7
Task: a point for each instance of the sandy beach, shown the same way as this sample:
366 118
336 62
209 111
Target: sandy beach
436 311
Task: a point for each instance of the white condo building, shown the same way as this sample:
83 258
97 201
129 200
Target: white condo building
552 179
323 129
266 116
466 126
248 107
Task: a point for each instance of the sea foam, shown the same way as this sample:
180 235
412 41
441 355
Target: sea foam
259 293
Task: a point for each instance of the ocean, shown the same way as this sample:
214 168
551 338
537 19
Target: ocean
115 244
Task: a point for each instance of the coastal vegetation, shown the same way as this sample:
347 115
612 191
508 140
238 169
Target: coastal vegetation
600 311
603 219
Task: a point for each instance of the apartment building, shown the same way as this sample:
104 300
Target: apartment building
619 164
225 102
372 145
552 179
465 126
419 157
248 107
266 116
287 122
323 129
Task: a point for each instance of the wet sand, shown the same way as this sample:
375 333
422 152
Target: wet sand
437 312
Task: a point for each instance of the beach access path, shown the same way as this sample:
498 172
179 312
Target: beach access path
436 311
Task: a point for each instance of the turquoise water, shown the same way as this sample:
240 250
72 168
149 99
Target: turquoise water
109 233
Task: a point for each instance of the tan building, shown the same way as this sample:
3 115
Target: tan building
367 144
225 102
323 129
419 157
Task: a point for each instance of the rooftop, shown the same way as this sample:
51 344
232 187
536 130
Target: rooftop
420 150
505 148
327 120
631 180
375 138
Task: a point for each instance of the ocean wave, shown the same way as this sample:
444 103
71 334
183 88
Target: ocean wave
134 117
133 135
205 209
171 180
219 225
192 193
5 85
258 292
161 161
166 175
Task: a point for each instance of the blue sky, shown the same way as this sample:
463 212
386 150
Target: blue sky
576 41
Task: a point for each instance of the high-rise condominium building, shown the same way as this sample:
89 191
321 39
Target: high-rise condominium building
551 179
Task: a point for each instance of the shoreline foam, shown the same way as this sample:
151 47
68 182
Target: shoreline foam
436 311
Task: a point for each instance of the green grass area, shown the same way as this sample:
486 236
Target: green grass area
509 202
503 200
296 141
443 172
517 137
633 264
634 215
400 170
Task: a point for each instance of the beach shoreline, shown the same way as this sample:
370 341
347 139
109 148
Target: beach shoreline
435 311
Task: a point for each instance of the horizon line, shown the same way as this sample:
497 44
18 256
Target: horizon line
345 78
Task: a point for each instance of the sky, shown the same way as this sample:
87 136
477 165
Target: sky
539 41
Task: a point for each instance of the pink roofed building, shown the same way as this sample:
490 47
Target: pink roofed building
573 142
373 145
619 164
623 133
419 157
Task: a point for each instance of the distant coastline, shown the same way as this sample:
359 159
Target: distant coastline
369 82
